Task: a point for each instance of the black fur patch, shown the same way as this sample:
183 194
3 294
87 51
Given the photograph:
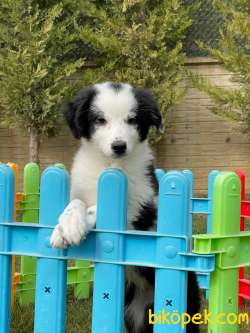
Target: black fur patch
148 274
146 217
116 86
147 112
193 301
78 114
153 179
130 292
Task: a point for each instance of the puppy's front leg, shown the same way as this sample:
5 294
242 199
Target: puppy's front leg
74 224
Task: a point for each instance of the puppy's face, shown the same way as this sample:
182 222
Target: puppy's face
114 117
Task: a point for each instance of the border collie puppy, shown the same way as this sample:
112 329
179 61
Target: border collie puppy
112 121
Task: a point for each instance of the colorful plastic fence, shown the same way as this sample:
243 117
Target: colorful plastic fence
204 206
244 284
112 247
80 275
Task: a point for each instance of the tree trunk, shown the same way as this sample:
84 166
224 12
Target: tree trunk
34 146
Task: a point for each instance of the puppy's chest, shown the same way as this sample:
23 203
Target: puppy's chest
140 191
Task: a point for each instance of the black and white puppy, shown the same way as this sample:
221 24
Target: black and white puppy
112 121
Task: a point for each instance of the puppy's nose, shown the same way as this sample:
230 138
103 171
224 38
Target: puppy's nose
119 147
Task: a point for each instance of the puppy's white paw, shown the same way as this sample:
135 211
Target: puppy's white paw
72 226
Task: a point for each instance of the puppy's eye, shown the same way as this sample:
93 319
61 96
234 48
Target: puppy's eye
131 121
100 121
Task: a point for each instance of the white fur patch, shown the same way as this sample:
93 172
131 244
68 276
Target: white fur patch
89 164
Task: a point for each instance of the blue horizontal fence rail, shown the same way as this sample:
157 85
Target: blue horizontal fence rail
110 246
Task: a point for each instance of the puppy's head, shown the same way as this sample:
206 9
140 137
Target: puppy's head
115 117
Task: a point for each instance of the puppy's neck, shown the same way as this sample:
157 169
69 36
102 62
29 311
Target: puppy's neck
88 165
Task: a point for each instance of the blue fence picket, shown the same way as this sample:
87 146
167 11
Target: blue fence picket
108 299
6 215
173 215
189 175
204 206
211 179
198 206
51 273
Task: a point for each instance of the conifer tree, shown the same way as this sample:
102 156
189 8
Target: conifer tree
33 66
232 52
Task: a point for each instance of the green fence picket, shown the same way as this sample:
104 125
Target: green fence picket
30 213
231 248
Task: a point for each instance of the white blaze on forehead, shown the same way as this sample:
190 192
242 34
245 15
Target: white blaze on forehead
115 104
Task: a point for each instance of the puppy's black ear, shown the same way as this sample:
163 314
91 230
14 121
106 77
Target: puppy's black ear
76 113
149 106
148 111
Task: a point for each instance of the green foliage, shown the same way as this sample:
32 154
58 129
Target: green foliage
32 69
233 53
46 42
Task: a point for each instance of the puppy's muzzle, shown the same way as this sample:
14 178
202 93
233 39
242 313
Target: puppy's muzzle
119 147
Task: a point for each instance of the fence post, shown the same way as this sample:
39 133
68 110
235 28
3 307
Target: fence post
51 273
30 213
79 275
210 189
108 301
14 278
225 221
241 175
189 175
7 192
173 217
